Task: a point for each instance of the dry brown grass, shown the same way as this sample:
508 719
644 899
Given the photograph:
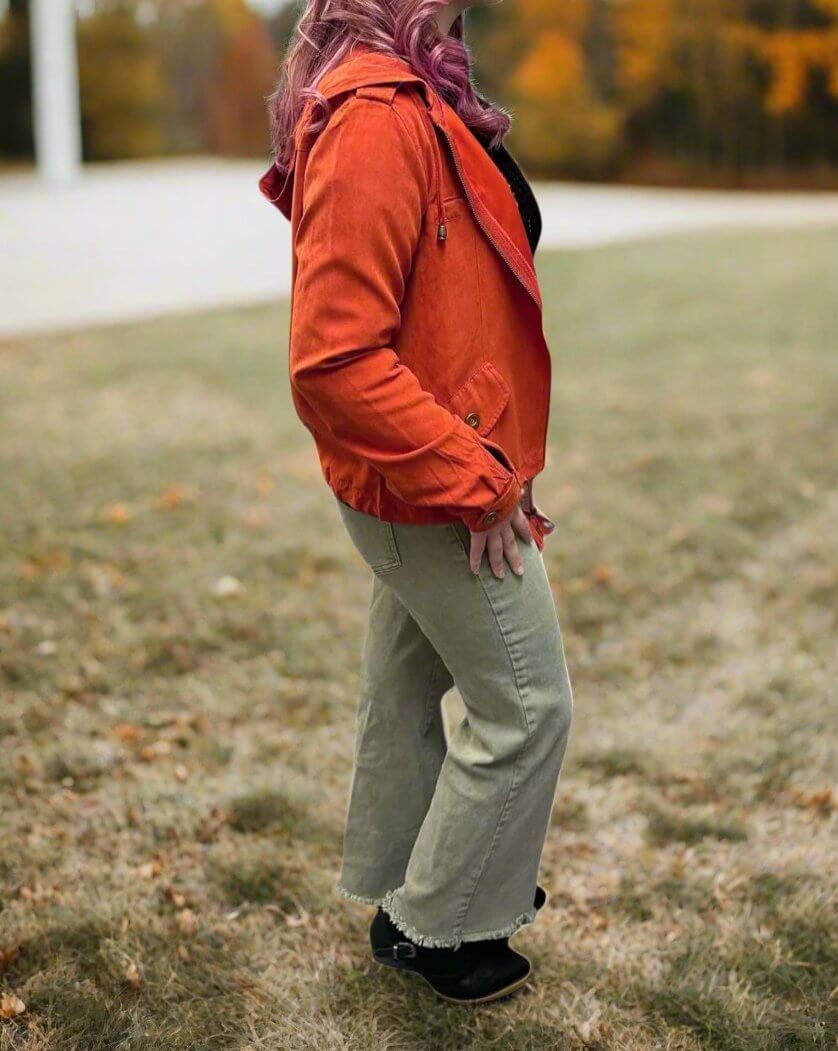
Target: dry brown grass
180 618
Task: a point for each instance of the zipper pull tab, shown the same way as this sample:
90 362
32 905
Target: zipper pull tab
442 232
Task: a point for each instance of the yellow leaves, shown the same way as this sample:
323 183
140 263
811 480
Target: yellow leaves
793 56
11 1006
554 66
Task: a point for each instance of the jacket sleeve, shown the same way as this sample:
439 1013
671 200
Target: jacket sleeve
364 199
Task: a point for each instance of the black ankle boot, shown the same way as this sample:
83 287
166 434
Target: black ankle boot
475 973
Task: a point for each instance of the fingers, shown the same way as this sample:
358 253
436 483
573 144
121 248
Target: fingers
494 549
478 546
500 545
521 525
511 552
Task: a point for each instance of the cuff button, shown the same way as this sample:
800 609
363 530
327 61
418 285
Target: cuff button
473 419
491 517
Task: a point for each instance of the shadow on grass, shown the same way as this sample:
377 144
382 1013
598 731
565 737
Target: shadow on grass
191 993
669 826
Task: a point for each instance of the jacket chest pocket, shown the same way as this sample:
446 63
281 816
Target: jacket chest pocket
481 399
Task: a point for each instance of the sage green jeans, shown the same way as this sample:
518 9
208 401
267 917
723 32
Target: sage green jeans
447 835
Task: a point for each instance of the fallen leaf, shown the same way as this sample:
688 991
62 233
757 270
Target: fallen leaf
175 497
821 802
117 514
127 732
8 956
149 870
175 897
132 975
602 574
11 1006
181 773
187 921
155 750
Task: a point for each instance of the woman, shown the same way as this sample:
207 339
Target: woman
419 364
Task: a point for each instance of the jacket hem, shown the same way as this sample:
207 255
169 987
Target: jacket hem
400 513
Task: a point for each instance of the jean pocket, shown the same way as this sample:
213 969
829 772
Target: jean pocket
375 540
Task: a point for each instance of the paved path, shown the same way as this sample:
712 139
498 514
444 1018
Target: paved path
137 240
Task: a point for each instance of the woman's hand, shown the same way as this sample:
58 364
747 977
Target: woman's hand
500 544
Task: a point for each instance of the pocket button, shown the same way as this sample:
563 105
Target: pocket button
473 419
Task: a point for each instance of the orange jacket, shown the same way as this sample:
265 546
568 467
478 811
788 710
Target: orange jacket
417 353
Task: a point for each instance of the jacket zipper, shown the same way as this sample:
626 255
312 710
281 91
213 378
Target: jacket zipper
479 219
442 235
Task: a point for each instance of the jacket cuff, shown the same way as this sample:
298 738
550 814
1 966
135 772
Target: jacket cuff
485 518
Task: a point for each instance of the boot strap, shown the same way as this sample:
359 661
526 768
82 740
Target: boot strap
399 951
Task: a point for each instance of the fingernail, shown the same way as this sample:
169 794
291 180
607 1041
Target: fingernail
519 572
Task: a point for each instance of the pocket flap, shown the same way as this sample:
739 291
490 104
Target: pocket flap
482 398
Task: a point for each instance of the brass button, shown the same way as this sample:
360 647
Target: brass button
491 517
473 419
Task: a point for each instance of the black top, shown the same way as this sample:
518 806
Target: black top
521 190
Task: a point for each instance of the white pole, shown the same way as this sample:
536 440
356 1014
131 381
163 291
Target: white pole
55 88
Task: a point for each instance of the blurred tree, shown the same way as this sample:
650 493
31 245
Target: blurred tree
15 83
547 64
122 87
663 88
244 77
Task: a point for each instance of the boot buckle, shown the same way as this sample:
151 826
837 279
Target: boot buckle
404 951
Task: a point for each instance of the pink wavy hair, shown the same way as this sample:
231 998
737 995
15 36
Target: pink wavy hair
406 29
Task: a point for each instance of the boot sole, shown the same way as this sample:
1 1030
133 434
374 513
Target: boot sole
499 994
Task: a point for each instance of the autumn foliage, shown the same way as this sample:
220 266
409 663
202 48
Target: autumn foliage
599 86
672 89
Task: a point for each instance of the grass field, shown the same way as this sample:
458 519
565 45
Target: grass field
180 623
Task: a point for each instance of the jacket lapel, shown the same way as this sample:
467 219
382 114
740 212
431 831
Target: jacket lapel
490 197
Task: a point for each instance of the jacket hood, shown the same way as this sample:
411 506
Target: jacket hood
362 68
